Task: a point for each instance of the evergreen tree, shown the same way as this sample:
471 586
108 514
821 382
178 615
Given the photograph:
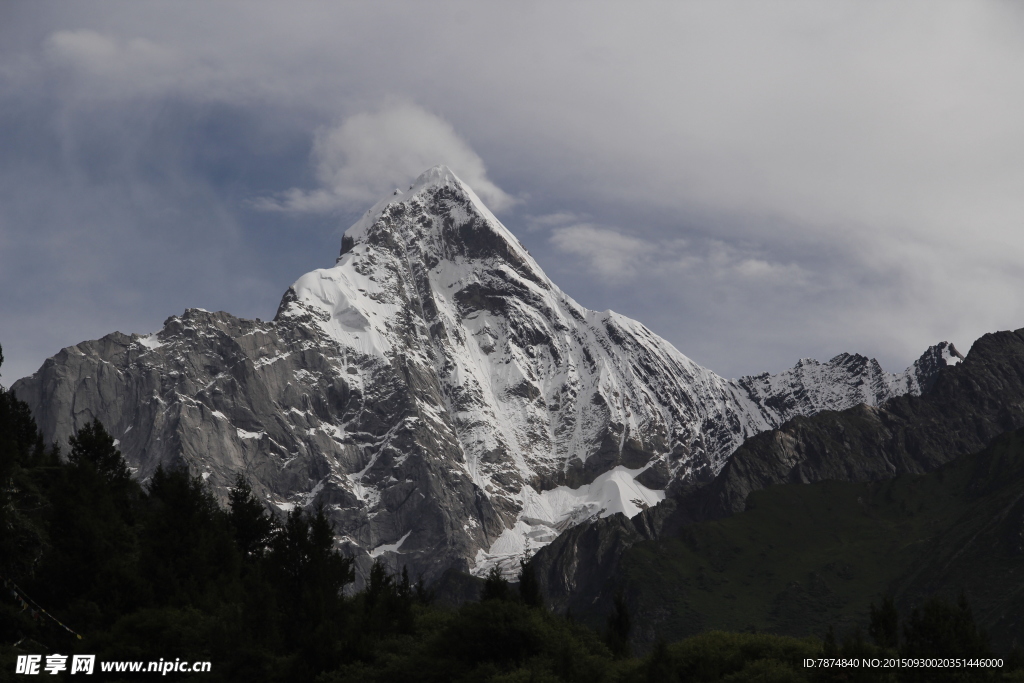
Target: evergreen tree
187 551
884 624
252 526
374 617
22 504
495 586
404 599
386 604
309 577
941 629
327 572
306 570
421 593
21 442
21 450
660 667
529 587
92 528
289 552
303 561
620 627
93 448
504 633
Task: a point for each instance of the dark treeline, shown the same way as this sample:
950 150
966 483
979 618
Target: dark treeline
161 571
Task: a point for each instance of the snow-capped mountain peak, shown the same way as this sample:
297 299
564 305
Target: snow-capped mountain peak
439 180
532 390
446 401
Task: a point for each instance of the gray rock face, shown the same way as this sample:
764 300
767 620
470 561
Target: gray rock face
964 408
446 402
290 410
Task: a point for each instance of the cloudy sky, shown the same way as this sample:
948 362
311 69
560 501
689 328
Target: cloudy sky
756 182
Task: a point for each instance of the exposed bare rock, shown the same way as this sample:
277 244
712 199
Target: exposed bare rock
448 404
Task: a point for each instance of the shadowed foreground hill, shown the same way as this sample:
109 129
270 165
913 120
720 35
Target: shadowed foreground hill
968 405
802 557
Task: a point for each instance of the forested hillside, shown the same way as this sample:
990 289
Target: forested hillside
806 556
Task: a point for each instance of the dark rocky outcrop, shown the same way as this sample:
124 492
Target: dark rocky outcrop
963 409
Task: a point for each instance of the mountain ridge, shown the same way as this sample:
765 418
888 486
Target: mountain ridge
447 403
964 409
803 557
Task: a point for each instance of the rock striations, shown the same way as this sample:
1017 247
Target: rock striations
443 399
962 410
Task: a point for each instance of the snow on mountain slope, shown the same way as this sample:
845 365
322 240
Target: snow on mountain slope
437 392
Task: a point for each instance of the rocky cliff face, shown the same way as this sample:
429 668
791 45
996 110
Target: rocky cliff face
964 408
447 403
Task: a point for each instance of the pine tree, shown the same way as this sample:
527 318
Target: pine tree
93 528
187 549
529 587
92 447
379 588
660 668
252 526
307 572
309 577
495 586
884 625
21 452
327 571
620 626
829 645
422 594
941 629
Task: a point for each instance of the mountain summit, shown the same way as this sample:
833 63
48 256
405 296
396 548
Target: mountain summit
445 401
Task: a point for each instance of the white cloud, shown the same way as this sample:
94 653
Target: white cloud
110 65
607 252
870 151
550 220
371 153
87 49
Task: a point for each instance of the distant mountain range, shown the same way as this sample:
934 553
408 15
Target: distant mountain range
452 408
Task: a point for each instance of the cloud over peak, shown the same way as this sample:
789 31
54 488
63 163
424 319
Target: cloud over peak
370 153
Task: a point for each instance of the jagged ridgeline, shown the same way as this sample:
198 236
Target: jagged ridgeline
807 524
448 404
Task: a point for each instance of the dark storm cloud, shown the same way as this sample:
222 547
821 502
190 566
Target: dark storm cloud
756 183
